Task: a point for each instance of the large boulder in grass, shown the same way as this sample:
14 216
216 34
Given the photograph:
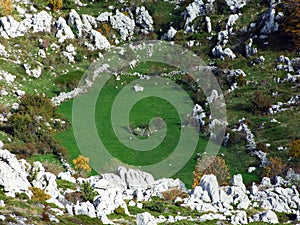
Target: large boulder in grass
13 178
145 219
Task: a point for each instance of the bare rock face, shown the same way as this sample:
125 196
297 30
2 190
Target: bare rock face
75 21
12 177
124 24
144 20
63 30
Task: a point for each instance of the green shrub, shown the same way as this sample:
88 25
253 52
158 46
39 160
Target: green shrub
63 184
120 210
155 206
260 103
22 196
88 193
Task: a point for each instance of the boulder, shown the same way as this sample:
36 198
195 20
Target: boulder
239 218
46 181
268 22
236 5
211 216
269 217
123 23
3 52
209 183
89 22
100 41
249 50
145 219
194 10
13 178
67 177
170 34
75 21
104 17
10 28
84 208
135 178
63 30
41 22
208 24
144 20
108 200
218 51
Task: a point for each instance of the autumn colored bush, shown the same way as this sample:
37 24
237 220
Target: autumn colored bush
6 7
276 167
82 165
294 149
38 194
56 4
260 103
211 165
172 194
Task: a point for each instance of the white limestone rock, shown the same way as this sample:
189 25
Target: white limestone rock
145 219
8 77
100 41
108 200
3 52
46 181
75 21
236 5
269 217
209 183
124 24
218 51
208 24
170 34
41 22
268 22
89 22
239 218
84 208
13 178
63 30
10 28
67 177
135 178
144 20
104 17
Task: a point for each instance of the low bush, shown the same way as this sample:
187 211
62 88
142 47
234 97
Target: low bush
39 195
88 193
68 81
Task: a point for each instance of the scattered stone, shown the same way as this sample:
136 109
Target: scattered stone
170 34
138 88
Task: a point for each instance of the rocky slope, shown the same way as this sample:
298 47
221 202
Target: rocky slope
133 188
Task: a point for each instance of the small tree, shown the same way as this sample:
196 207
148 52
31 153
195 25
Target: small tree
211 165
6 7
275 168
81 165
294 149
